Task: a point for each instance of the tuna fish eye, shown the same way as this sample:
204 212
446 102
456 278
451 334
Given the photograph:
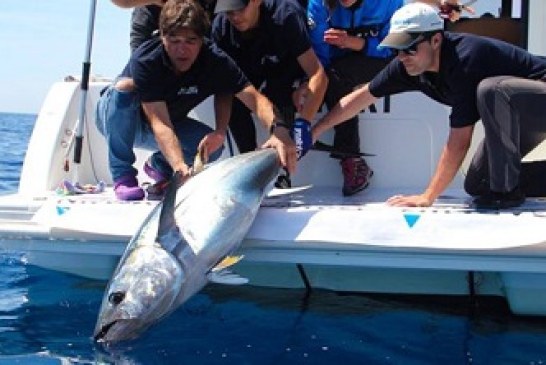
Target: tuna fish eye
116 297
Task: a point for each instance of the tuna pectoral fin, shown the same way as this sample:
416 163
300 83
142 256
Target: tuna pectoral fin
226 277
220 275
276 192
227 262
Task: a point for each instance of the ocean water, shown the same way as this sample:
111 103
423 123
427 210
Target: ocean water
47 317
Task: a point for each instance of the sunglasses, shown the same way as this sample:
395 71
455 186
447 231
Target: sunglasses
411 50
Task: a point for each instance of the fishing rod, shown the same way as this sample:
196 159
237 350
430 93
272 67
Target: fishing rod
84 87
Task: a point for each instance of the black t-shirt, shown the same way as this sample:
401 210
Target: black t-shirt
272 48
144 24
213 72
465 61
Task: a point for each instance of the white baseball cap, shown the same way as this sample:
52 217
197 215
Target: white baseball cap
409 22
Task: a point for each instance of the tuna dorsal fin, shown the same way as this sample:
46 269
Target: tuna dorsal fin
227 262
167 223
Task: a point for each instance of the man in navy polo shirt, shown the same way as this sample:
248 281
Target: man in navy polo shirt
480 78
165 78
269 41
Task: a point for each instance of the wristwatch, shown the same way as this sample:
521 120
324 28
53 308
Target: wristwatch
278 123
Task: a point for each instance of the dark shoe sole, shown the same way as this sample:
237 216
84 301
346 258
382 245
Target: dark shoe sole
157 191
134 196
480 203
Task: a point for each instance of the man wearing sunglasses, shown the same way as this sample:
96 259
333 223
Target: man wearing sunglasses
480 78
269 41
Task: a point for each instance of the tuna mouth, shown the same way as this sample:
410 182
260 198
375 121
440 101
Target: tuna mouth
100 337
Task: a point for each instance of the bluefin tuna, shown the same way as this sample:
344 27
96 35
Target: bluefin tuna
185 242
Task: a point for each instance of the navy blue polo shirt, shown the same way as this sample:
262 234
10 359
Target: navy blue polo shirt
213 72
271 49
465 60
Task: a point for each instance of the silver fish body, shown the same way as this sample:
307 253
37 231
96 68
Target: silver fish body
183 239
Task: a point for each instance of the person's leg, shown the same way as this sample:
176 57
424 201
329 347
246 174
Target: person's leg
476 181
511 110
189 132
344 75
532 175
242 128
118 118
346 136
278 89
355 170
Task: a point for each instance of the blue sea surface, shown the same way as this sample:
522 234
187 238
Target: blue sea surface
47 317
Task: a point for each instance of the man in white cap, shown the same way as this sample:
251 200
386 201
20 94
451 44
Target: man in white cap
480 78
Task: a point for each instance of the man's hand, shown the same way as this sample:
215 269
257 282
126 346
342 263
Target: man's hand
301 134
212 142
336 37
451 9
286 149
182 167
339 38
409 201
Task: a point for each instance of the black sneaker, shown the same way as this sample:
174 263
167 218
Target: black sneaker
283 181
495 200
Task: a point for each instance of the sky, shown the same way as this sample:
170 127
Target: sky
42 41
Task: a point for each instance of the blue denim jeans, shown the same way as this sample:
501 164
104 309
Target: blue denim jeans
120 120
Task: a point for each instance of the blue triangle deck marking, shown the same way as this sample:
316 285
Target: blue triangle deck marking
62 210
411 219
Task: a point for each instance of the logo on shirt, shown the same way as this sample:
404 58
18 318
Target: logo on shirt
188 90
311 23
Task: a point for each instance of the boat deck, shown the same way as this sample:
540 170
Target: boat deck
316 238
363 230
316 220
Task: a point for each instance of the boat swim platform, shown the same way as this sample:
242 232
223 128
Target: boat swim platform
316 238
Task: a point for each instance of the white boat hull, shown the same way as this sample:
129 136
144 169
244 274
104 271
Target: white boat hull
296 258
314 238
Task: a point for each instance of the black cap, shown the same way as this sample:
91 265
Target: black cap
229 5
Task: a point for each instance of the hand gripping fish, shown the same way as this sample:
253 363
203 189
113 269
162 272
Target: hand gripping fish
184 243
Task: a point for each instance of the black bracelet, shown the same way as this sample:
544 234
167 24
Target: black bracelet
278 123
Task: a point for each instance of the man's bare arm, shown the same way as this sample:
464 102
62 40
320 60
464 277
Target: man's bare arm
166 138
347 107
